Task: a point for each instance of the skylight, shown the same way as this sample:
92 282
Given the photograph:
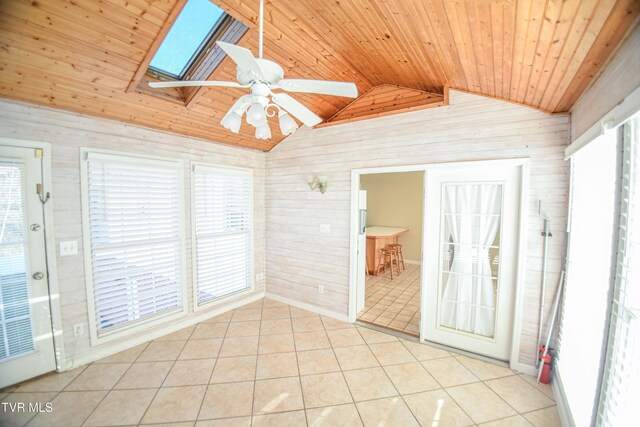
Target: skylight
187 36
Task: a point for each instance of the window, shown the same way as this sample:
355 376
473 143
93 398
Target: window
133 231
222 231
188 52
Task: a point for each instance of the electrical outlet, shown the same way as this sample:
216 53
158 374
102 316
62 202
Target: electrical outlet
259 277
320 289
324 228
78 329
69 247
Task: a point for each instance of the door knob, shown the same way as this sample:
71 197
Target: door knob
38 275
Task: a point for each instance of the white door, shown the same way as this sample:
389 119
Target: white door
362 250
471 253
26 341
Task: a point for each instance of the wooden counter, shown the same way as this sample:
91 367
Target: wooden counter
377 238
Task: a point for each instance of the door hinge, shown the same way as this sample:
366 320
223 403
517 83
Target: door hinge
39 153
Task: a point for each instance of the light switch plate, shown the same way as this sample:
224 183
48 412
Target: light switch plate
69 247
324 228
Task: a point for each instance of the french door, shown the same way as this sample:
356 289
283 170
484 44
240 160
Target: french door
470 256
26 339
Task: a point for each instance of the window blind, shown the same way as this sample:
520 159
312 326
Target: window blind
222 212
134 228
621 377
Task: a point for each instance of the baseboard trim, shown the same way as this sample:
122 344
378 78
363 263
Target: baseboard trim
561 400
410 261
308 307
193 318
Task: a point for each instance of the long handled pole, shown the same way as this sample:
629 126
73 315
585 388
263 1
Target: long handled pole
545 234
556 303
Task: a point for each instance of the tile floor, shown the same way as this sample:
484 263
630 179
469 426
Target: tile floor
394 304
269 364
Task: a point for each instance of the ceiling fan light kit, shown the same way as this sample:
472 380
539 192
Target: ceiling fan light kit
262 76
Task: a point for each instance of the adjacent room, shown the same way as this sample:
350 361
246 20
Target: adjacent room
319 213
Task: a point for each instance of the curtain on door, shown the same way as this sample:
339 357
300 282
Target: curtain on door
472 216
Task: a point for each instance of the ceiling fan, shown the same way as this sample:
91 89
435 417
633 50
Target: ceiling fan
261 76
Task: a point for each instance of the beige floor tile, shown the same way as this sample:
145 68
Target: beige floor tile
480 402
241 315
276 326
334 416
324 390
190 372
484 370
367 384
518 393
374 337
547 417
126 356
226 422
545 388
243 329
410 378
280 343
144 375
437 408
271 303
227 400
221 318
331 323
449 372
20 418
317 362
158 351
180 335
122 407
356 357
424 351
387 412
311 340
232 369
210 330
277 365
345 337
69 409
201 349
307 324
274 313
174 404
55 381
515 421
98 377
288 419
277 395
391 353
298 312
239 346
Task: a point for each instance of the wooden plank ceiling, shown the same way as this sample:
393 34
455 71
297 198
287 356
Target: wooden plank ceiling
81 55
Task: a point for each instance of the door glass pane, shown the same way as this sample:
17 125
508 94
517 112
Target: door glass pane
471 219
16 336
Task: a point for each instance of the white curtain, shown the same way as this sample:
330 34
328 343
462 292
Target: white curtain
472 215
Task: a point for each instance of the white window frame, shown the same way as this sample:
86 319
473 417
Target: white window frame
143 324
194 256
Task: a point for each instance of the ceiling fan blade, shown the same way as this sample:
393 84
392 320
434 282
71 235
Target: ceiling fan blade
296 109
189 83
323 87
243 57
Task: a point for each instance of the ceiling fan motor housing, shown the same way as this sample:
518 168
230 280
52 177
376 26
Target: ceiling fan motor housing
272 73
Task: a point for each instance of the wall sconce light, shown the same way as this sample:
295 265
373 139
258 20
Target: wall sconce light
319 182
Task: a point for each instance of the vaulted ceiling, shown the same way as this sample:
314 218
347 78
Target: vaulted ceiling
82 55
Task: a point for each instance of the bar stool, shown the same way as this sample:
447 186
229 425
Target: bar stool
400 256
388 257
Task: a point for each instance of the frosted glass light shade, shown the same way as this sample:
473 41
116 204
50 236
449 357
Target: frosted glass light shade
287 124
232 122
263 132
256 115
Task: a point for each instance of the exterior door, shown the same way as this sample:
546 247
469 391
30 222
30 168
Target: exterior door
471 254
362 250
26 339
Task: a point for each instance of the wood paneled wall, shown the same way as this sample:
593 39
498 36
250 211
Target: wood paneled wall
471 127
619 79
68 132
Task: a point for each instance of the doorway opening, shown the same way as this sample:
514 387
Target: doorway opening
393 203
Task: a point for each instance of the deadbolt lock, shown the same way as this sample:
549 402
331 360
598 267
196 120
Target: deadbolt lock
35 227
38 275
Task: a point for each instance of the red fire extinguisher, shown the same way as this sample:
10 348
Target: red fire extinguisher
546 359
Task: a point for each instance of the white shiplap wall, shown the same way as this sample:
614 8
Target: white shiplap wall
299 258
620 77
68 132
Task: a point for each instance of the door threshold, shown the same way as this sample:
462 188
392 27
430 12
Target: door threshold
388 330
